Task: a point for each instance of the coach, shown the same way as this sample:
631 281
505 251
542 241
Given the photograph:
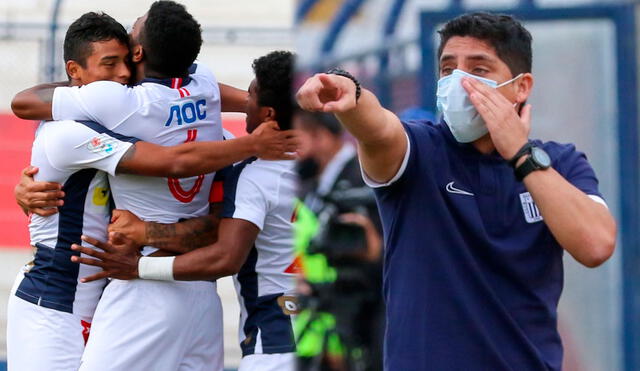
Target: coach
476 216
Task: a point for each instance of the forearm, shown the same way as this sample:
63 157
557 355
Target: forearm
184 160
184 236
582 226
381 138
232 99
208 263
195 158
35 103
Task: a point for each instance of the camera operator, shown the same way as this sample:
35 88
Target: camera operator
343 270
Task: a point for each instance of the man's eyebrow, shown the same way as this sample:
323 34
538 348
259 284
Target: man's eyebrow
481 57
447 57
476 57
108 58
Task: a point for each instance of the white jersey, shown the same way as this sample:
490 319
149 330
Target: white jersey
166 112
262 192
79 156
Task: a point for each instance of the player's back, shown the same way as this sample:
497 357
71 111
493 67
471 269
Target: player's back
161 111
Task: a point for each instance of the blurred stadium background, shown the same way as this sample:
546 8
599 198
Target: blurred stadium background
31 35
585 65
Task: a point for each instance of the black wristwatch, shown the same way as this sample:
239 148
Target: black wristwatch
538 160
525 150
343 73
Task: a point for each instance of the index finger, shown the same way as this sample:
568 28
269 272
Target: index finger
99 244
44 187
308 95
30 170
491 94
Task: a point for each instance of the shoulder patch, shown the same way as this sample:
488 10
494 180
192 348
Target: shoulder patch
102 143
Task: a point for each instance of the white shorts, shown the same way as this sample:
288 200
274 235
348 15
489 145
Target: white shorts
156 325
268 362
40 338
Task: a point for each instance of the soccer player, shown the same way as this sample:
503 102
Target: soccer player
50 312
143 324
255 236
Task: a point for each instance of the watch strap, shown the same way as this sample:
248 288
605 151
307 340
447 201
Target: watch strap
524 150
526 168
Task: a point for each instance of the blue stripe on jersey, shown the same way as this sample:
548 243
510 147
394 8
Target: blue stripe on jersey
248 279
263 312
230 184
102 130
192 70
52 280
276 331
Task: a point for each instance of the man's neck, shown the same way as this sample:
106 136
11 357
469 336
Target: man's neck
484 145
144 72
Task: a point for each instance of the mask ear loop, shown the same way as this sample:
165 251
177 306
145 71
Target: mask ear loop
510 81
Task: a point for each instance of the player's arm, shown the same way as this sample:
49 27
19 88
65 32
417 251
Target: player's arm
180 237
41 198
194 158
232 99
35 103
121 260
382 142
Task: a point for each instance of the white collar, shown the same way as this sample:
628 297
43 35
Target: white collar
334 167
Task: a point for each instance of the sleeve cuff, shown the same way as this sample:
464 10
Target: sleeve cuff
599 200
373 184
253 219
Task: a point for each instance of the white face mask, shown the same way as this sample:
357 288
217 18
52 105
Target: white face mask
461 116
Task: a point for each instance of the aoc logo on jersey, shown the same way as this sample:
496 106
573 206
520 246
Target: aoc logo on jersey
103 143
187 112
100 196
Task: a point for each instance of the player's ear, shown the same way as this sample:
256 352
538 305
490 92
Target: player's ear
74 70
269 113
137 53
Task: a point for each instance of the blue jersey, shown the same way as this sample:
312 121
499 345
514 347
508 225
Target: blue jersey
472 273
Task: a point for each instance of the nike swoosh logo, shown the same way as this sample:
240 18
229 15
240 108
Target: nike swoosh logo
451 189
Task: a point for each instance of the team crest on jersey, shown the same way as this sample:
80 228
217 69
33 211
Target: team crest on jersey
530 209
100 196
102 143
289 304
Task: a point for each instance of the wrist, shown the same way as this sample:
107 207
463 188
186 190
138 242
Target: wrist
521 160
345 74
520 154
252 144
146 238
156 268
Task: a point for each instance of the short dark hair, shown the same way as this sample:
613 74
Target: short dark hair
171 39
321 120
508 37
89 28
274 76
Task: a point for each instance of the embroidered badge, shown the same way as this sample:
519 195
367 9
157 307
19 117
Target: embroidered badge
102 143
531 212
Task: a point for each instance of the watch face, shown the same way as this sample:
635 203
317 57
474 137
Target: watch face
540 157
